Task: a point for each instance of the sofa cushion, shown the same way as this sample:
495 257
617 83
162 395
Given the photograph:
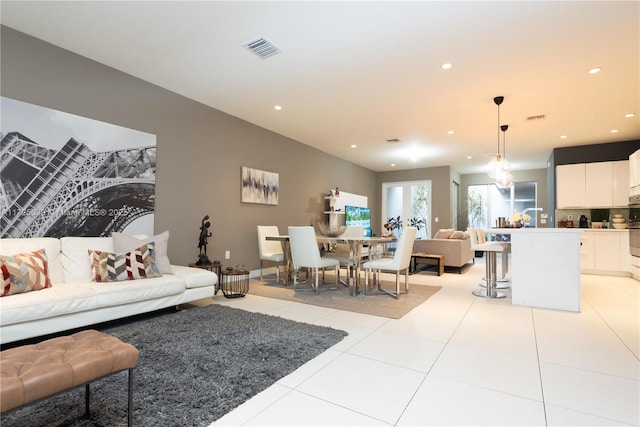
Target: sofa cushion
51 245
58 300
76 262
116 267
194 277
444 233
125 243
24 272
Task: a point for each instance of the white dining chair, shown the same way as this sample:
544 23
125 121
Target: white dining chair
400 261
305 253
270 250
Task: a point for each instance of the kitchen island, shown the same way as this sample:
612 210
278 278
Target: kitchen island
545 267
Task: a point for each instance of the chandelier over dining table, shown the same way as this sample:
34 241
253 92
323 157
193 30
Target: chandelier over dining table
499 168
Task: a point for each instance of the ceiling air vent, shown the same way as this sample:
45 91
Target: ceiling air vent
538 117
393 141
262 47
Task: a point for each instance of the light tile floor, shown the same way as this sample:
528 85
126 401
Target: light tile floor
462 360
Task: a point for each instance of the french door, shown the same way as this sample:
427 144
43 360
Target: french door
407 203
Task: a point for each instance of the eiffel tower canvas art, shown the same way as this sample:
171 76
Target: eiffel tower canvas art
67 175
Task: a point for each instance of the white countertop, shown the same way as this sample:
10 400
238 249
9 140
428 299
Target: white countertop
556 230
539 230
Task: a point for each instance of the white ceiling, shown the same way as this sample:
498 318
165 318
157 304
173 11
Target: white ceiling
365 72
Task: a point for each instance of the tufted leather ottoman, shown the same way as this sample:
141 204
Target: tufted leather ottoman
34 372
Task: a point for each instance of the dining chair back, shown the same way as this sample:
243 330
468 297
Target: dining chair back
270 250
305 253
400 261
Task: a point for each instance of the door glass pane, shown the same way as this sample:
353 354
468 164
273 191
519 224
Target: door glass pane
407 203
420 197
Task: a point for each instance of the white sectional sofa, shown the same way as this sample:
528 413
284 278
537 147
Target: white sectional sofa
74 300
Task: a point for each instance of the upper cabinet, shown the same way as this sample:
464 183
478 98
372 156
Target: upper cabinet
634 171
570 186
621 183
592 185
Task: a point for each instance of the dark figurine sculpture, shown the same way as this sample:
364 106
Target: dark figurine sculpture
203 259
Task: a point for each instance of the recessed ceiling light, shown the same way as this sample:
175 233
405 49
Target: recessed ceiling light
469 157
446 66
353 145
451 132
614 130
563 137
629 115
393 165
595 70
278 107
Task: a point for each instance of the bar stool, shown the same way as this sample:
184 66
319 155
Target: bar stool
501 282
491 250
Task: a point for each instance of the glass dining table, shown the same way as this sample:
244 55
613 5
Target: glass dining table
356 246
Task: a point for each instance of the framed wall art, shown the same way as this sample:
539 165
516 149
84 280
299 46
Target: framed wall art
67 175
259 186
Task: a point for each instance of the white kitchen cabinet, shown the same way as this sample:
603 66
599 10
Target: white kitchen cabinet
570 186
621 183
592 185
635 267
634 169
625 256
605 252
598 184
587 251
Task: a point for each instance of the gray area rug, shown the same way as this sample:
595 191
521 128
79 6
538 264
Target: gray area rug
195 366
378 305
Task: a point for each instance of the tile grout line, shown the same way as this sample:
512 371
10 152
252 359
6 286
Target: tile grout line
426 375
535 339
611 328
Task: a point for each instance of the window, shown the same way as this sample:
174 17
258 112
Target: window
486 203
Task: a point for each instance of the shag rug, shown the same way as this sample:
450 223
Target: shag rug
378 305
194 366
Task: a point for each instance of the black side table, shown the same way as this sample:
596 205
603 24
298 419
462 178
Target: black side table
234 283
216 267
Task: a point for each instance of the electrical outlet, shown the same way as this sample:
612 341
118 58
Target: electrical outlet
227 254
436 219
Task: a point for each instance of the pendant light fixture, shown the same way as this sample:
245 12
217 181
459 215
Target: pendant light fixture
498 166
504 179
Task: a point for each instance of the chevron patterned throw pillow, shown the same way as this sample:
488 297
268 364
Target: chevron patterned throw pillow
24 272
114 267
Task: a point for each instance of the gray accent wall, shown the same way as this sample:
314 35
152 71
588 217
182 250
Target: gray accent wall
200 150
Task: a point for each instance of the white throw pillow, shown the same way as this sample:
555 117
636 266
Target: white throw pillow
127 243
